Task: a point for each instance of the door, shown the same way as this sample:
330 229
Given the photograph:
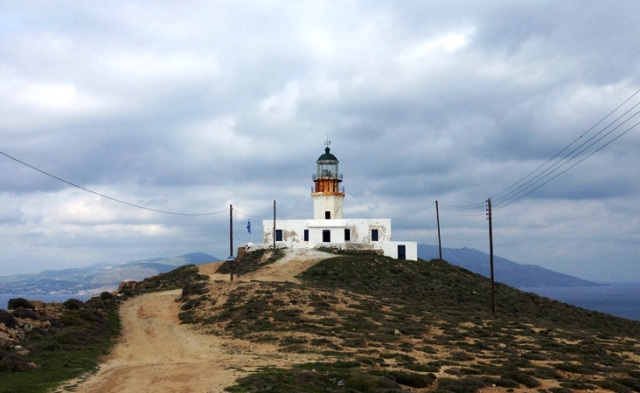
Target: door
402 252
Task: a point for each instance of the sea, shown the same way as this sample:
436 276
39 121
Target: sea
619 299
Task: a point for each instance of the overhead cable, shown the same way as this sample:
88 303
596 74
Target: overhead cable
536 178
106 196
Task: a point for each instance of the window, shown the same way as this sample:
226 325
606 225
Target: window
278 235
306 235
374 235
327 215
347 235
326 235
402 252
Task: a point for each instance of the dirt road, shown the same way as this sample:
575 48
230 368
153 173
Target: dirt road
158 354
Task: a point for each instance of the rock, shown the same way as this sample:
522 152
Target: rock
397 332
127 284
7 319
20 350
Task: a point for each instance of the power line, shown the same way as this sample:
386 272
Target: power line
590 154
569 145
524 187
106 196
414 213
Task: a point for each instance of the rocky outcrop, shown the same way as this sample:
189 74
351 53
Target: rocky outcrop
17 322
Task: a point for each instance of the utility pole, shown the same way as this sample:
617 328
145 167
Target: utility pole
439 239
274 225
493 295
231 239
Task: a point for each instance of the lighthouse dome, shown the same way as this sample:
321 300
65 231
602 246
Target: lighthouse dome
327 156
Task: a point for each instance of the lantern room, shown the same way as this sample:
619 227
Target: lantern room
327 193
327 177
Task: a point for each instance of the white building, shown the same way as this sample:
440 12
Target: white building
328 228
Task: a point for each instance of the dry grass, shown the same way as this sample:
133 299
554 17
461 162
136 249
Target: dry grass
416 326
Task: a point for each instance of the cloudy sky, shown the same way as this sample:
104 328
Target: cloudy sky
188 107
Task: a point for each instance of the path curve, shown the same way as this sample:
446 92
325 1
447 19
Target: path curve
158 354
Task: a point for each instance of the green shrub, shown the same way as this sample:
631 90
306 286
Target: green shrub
520 377
21 312
613 386
8 319
197 288
73 304
413 380
96 303
107 296
574 368
463 385
633 383
19 302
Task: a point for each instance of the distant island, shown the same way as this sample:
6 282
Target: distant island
106 277
505 271
95 278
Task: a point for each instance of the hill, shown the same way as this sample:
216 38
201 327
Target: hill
388 325
305 321
505 271
95 278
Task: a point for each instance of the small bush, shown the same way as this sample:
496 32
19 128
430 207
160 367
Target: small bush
461 356
463 385
19 302
198 288
96 303
413 380
573 368
578 385
73 304
525 379
107 296
8 319
21 312
630 382
613 386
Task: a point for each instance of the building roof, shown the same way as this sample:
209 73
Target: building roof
327 156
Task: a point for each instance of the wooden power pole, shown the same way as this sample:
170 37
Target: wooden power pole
439 239
493 294
274 225
231 239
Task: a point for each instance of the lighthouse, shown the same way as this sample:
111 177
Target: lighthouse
327 193
328 228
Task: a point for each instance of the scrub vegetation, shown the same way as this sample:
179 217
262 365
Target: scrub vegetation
381 325
391 326
78 334
71 345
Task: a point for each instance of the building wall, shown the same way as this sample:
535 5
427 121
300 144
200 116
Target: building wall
411 250
359 229
360 235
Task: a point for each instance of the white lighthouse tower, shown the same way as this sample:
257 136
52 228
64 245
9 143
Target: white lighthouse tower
328 228
327 193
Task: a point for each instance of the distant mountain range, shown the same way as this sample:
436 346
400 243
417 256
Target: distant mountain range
95 278
106 277
505 271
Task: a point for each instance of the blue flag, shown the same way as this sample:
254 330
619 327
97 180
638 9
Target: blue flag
249 227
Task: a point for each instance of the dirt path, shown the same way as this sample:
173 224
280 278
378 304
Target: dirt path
158 354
